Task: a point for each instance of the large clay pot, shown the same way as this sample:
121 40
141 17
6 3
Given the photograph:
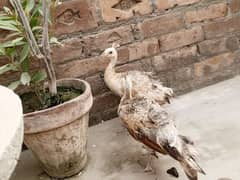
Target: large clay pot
58 136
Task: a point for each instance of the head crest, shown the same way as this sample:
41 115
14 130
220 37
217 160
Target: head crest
115 45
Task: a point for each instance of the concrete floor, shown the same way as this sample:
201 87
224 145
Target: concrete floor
210 116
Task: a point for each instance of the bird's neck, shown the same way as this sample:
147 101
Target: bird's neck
112 64
110 70
111 77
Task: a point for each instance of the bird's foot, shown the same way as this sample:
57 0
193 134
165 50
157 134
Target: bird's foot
149 169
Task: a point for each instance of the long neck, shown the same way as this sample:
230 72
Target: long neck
110 70
111 78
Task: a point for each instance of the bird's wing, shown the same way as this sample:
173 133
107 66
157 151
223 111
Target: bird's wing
147 136
146 122
166 129
161 92
144 83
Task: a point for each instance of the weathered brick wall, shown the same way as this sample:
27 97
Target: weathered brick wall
188 43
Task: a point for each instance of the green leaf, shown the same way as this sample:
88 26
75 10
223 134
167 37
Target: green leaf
35 12
34 22
25 78
24 53
29 6
9 24
5 17
2 51
25 65
54 40
8 20
6 68
37 28
39 76
9 44
14 85
11 52
17 40
13 35
7 10
57 3
9 27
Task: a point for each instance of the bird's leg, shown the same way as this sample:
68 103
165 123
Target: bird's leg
129 87
151 155
149 167
130 90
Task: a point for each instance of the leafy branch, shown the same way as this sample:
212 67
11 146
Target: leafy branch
35 49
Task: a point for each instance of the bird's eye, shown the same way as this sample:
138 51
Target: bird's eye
110 52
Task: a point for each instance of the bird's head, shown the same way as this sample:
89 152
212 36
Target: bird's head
111 52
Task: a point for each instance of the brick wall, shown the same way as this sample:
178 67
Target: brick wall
188 43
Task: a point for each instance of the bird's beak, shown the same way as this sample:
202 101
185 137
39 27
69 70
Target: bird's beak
103 54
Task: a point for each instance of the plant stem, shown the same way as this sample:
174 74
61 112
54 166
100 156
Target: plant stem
35 50
46 46
38 94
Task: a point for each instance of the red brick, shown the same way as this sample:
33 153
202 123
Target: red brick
4 3
215 77
3 35
216 46
183 74
71 48
175 59
97 84
8 77
121 35
115 10
130 67
138 50
206 13
104 108
123 55
104 102
100 117
166 4
140 65
147 65
91 45
213 64
84 67
33 66
181 38
73 16
232 43
3 60
161 25
237 56
143 49
234 6
220 28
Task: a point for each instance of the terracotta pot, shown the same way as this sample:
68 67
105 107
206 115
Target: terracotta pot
58 136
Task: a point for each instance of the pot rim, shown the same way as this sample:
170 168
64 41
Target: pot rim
82 96
62 114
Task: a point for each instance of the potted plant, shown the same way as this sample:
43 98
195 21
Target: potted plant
56 112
